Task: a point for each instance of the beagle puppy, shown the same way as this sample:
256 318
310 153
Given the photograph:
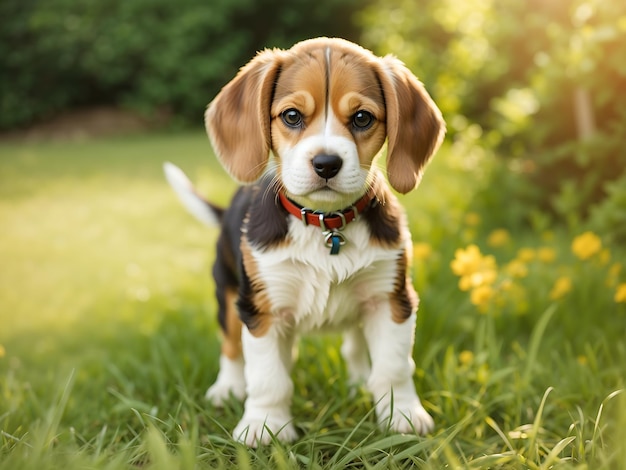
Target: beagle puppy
315 240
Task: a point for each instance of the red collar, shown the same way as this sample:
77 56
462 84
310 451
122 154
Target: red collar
336 220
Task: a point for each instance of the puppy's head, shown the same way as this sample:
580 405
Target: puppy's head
324 108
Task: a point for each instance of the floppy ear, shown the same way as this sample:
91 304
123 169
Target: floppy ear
415 127
238 119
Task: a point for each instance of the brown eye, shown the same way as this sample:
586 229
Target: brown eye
362 120
292 118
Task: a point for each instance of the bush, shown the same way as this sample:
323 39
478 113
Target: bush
544 80
144 54
609 216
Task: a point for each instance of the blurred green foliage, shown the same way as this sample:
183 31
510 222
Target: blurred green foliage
536 86
145 54
521 73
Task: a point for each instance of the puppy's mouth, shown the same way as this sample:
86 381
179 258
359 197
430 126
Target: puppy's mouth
325 198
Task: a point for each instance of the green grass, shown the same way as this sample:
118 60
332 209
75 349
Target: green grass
108 337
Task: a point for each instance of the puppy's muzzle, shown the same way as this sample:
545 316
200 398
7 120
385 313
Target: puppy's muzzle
327 166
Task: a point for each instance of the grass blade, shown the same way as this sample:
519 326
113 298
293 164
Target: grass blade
534 431
556 450
535 342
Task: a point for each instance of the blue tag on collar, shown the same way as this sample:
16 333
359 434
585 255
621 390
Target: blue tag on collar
335 244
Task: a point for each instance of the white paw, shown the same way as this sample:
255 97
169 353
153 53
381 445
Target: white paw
409 419
259 432
220 392
358 374
230 381
354 352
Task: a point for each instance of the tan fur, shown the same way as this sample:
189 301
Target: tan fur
242 120
237 120
414 125
231 344
263 319
323 160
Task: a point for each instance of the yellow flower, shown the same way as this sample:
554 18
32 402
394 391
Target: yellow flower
465 283
466 261
526 254
517 268
486 275
499 237
546 254
2 351
474 269
466 357
481 295
561 287
422 251
620 293
586 245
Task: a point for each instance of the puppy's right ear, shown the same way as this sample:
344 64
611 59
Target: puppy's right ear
238 119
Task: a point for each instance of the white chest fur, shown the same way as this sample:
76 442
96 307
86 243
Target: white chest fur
310 289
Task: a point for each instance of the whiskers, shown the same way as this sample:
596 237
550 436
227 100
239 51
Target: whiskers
273 189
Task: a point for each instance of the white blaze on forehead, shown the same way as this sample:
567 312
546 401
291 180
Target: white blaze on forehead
328 128
327 96
327 110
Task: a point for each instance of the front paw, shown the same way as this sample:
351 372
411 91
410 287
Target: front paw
220 392
405 418
230 381
255 432
413 419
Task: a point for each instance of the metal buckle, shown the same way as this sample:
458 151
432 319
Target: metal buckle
356 212
331 234
334 241
303 212
332 214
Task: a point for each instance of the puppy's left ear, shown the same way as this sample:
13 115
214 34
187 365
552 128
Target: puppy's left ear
415 128
238 119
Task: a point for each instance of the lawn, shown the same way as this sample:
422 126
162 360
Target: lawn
108 337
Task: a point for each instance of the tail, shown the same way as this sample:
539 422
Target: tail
199 207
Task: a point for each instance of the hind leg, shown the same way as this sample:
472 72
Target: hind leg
230 379
355 354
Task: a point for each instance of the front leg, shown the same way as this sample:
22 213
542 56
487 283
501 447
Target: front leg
269 388
390 343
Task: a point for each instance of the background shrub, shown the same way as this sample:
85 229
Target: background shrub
144 54
538 85
543 81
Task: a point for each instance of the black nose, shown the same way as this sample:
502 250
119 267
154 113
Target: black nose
327 166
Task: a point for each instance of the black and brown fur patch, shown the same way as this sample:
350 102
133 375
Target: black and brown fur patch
404 299
256 219
385 217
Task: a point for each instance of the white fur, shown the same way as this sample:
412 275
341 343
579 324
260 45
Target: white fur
354 352
311 291
186 193
230 380
269 386
391 379
299 178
